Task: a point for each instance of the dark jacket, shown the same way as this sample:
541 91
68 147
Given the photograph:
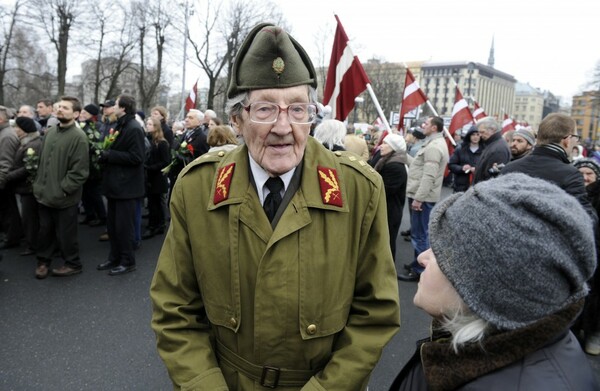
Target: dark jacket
542 357
589 321
18 179
496 150
123 162
393 172
550 162
463 155
159 158
197 139
167 133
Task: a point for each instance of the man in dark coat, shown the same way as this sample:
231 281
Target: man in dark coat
194 134
123 185
549 159
496 151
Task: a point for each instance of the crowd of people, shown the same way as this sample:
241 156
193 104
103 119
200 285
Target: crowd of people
300 288
104 161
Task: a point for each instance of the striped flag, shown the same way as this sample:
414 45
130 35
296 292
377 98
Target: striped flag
461 115
508 124
346 78
478 112
412 98
190 102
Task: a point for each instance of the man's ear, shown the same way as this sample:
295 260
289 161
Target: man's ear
236 123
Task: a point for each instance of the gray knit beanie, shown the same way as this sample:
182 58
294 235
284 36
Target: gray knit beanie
515 248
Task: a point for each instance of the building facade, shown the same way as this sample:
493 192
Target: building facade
585 110
529 105
493 90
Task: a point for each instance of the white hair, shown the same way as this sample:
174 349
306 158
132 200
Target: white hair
330 132
465 327
210 113
197 113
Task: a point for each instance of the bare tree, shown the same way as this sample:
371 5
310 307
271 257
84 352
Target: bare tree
152 22
113 57
56 18
8 18
27 78
222 35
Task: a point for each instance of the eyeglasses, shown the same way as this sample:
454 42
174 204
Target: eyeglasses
268 113
575 136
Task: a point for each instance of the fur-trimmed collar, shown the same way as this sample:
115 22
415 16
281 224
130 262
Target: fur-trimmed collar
446 370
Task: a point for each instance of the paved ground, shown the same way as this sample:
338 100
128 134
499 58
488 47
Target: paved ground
91 331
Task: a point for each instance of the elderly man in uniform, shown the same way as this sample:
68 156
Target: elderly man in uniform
276 271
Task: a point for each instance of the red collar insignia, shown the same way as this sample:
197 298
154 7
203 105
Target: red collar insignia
223 183
330 188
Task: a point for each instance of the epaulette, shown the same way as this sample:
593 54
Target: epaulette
358 163
211 157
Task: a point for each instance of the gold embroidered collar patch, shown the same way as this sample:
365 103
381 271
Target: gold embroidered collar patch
223 182
330 186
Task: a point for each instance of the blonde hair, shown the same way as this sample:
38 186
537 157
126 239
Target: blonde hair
221 135
157 135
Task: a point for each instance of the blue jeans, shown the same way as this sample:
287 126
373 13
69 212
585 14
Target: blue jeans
419 231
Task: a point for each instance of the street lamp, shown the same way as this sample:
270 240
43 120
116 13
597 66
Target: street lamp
357 100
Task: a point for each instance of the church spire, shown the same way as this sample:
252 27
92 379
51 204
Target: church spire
491 57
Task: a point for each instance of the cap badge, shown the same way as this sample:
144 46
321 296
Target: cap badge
223 183
278 65
330 188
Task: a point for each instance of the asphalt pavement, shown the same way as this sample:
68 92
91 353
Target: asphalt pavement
92 331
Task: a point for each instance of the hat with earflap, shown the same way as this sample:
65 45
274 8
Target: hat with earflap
270 58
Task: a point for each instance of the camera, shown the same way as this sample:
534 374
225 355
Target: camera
495 170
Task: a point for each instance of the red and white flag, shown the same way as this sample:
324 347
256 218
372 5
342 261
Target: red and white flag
346 78
461 115
190 102
412 98
507 124
478 112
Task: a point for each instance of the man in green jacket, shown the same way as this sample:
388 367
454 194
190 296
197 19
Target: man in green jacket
63 169
276 271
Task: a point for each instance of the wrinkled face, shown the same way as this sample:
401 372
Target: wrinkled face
43 110
65 113
276 147
486 132
192 121
589 176
157 115
435 295
519 145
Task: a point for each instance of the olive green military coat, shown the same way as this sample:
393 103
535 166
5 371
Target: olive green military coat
317 293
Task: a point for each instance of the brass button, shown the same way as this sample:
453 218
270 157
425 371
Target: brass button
338 153
233 322
311 329
221 154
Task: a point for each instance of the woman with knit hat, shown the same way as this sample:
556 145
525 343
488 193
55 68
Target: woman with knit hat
501 314
587 327
392 168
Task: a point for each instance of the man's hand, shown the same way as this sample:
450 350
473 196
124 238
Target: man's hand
416 206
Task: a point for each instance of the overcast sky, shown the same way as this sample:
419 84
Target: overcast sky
552 45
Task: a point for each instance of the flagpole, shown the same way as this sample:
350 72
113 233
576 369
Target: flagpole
378 107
